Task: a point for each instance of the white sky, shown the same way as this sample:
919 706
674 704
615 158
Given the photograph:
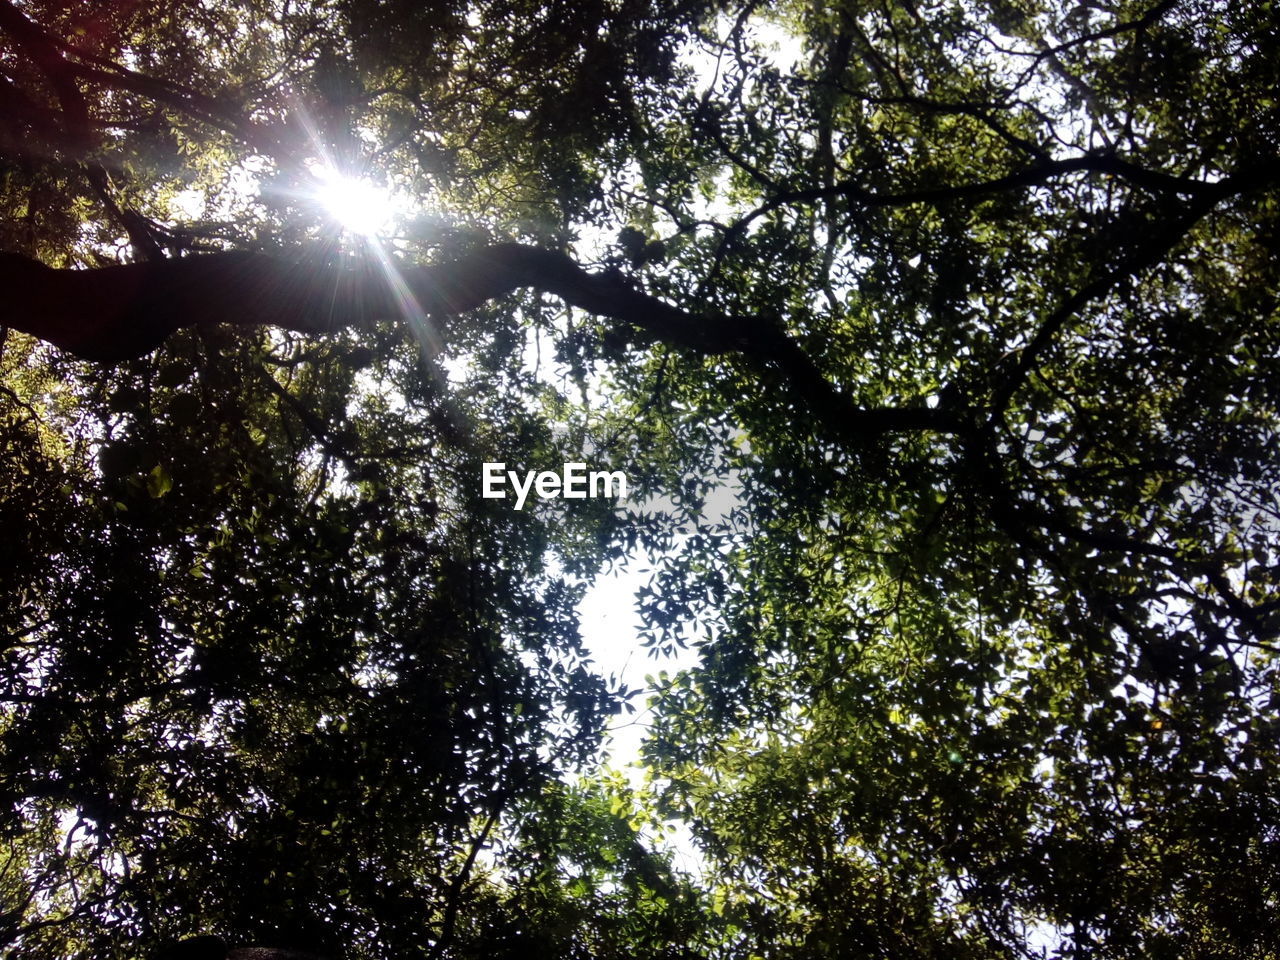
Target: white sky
610 628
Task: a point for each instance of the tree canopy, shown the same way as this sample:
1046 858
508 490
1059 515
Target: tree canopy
939 342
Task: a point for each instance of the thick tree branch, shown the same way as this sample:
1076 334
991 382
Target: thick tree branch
118 312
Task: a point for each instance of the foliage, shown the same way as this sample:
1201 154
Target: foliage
975 532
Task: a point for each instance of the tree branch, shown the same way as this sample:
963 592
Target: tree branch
118 312
1144 254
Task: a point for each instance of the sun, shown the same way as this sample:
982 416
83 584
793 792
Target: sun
355 204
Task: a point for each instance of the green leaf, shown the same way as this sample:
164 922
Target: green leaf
159 482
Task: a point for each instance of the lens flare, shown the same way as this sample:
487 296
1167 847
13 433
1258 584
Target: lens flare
356 205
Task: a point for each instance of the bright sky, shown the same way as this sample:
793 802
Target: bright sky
610 629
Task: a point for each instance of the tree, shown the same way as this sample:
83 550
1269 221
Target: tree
970 307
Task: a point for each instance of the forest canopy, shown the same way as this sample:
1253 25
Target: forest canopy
938 343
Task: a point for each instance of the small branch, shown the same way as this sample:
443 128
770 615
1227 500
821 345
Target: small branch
1036 175
134 224
1049 53
313 423
1156 243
